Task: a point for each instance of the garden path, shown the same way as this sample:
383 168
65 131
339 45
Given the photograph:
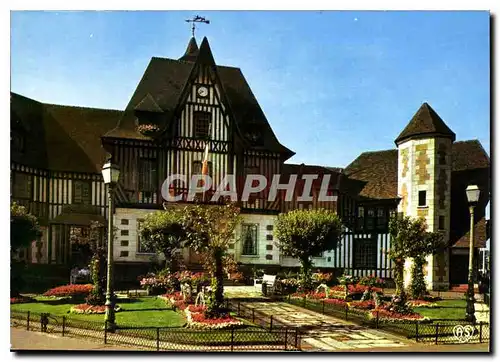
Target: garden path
482 312
22 340
326 333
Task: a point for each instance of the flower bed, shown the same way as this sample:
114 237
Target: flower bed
90 309
335 301
21 299
71 290
180 304
314 295
198 321
366 305
355 289
195 314
387 315
421 303
197 309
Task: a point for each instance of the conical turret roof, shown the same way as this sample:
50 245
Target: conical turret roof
425 123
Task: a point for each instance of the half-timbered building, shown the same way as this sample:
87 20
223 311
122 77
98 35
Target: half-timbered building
180 106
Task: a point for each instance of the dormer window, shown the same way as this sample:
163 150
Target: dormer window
201 124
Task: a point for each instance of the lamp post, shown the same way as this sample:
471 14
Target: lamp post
110 174
472 192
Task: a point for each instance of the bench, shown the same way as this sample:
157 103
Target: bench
269 280
79 276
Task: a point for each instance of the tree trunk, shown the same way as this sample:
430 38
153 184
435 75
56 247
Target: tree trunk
217 284
399 277
305 270
418 288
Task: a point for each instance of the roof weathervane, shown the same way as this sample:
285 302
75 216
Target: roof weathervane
197 19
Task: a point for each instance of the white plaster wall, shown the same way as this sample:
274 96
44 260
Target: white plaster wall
262 222
132 215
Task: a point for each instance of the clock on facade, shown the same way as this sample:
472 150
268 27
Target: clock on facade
202 91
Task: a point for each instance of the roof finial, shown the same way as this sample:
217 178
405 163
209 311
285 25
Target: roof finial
197 19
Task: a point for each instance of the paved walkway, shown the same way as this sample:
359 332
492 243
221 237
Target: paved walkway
328 333
22 340
482 312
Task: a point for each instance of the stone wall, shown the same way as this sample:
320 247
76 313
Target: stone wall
425 165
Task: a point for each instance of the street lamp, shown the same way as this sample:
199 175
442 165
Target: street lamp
110 174
472 192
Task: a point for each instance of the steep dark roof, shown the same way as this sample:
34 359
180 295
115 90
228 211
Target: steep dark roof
148 104
26 117
289 169
165 79
63 138
426 122
379 169
191 51
480 236
467 155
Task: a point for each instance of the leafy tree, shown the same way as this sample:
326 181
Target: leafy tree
209 230
24 229
94 254
303 234
426 243
410 239
163 232
400 229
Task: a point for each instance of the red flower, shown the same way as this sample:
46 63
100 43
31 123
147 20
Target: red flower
196 309
334 301
174 296
395 315
93 308
69 290
200 317
180 304
314 295
367 304
21 299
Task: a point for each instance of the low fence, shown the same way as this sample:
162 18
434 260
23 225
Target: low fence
437 330
258 318
245 338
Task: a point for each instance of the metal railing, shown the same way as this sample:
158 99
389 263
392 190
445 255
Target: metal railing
236 338
436 330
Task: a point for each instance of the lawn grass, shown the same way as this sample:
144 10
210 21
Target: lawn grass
144 312
447 309
453 309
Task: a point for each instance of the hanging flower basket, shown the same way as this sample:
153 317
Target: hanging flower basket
148 129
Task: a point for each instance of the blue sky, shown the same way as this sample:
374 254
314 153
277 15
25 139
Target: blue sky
332 84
